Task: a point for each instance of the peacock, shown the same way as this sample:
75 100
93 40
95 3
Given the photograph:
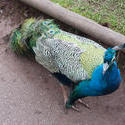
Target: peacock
81 64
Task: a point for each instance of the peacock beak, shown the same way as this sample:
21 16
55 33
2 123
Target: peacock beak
105 67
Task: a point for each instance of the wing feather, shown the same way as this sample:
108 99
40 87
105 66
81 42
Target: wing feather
60 56
69 54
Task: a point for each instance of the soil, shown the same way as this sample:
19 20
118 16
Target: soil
29 95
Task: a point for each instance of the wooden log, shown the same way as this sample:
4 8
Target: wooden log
81 23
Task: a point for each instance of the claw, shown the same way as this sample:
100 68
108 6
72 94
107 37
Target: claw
72 107
83 103
75 108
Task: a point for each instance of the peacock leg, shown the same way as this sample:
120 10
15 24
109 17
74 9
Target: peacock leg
66 98
83 103
64 93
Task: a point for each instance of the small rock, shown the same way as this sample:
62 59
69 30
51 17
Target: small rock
25 14
1 11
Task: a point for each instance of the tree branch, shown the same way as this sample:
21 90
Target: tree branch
81 23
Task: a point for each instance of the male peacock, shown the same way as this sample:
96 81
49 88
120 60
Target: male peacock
80 63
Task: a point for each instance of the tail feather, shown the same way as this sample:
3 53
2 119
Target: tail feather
24 38
21 36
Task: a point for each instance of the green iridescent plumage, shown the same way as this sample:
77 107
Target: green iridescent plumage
25 37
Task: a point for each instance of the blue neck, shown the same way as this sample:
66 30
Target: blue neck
112 78
101 84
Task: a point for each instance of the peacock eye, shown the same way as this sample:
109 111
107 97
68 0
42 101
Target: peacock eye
44 23
51 26
51 32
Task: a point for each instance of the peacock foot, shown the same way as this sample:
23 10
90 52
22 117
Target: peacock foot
83 103
75 108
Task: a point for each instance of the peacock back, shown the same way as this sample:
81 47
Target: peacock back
58 51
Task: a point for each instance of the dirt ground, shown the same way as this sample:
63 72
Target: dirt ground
29 95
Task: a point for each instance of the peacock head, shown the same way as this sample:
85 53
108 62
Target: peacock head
109 56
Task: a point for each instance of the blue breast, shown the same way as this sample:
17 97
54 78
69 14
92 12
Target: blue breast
101 84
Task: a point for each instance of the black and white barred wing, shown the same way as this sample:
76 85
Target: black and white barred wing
61 57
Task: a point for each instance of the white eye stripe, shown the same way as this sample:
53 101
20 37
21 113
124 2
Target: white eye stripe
105 67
